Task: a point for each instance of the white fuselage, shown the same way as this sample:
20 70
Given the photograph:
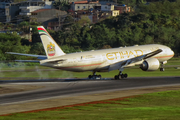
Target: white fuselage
99 60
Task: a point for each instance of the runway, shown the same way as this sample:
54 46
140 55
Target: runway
83 87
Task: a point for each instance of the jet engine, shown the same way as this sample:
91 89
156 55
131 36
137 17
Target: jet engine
150 64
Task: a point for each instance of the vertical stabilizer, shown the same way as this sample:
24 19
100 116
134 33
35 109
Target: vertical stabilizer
50 46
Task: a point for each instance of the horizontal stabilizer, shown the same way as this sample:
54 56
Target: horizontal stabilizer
41 57
52 61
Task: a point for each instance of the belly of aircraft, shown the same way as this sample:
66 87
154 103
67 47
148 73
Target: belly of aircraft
81 66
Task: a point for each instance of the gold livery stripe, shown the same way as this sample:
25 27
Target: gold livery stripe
165 56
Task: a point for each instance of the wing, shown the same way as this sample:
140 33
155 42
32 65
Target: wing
124 63
34 61
41 57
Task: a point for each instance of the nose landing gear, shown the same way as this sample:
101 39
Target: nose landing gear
162 67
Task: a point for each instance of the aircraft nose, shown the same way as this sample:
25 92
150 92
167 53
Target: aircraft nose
172 53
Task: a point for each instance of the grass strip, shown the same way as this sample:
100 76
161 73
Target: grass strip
132 72
153 106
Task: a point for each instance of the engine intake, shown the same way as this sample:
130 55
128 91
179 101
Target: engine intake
150 64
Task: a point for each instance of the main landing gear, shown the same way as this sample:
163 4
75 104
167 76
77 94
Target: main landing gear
120 76
116 77
94 76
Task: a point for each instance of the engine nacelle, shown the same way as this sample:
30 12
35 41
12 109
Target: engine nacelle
150 64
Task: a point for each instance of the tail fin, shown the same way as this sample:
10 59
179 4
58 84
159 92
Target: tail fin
50 46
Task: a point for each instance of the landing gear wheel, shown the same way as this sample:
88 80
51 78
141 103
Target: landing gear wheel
90 76
162 69
121 76
125 75
94 76
117 77
99 76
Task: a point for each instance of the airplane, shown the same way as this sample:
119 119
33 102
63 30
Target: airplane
149 57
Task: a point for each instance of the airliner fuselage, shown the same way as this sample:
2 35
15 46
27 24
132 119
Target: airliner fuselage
100 60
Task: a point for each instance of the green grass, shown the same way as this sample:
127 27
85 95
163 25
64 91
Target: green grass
30 72
173 61
154 106
132 72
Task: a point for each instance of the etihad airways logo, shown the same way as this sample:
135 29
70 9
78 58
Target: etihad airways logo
51 49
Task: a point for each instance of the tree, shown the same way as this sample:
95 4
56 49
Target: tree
84 20
11 43
37 48
24 26
62 5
